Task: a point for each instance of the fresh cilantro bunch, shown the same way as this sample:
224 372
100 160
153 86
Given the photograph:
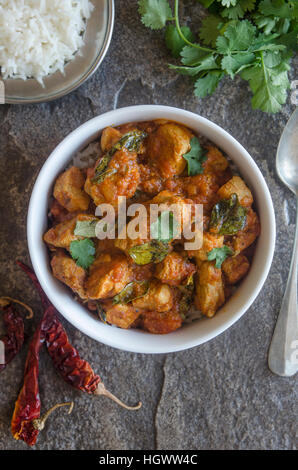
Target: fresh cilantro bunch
252 38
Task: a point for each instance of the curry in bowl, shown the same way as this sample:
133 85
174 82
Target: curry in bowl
152 282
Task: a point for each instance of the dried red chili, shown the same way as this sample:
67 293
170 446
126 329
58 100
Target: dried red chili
66 358
27 407
26 422
14 325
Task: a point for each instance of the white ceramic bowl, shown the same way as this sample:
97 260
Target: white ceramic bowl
135 340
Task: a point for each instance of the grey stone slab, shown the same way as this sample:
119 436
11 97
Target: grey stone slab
220 395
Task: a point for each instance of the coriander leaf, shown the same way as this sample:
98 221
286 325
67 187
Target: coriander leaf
290 40
195 157
133 290
279 8
269 85
272 58
209 30
233 63
207 85
174 42
165 228
228 3
192 55
152 252
227 216
207 63
239 10
83 252
219 255
237 37
206 3
86 228
155 13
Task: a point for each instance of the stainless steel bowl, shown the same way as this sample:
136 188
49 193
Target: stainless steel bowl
97 39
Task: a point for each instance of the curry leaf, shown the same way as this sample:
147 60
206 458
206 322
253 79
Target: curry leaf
133 291
152 252
227 216
86 228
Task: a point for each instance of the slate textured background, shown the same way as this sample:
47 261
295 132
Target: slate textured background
220 395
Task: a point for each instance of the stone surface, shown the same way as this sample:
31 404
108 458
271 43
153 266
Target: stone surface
220 395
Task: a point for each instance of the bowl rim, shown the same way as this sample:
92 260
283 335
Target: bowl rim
60 295
88 73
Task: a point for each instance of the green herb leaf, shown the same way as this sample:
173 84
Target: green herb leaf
208 62
269 85
207 85
86 228
209 30
279 8
153 252
195 157
83 252
155 13
236 62
238 11
237 37
165 228
227 216
219 255
101 313
174 41
132 291
192 56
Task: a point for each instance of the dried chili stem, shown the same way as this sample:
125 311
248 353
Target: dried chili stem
101 390
4 301
40 423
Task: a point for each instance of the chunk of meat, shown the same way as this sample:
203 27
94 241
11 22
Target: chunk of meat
161 323
68 190
151 181
121 315
108 276
166 147
67 271
244 238
209 289
235 268
216 162
237 186
109 137
62 235
159 298
169 201
123 182
174 269
210 241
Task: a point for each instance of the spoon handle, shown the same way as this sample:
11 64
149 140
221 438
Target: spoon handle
283 352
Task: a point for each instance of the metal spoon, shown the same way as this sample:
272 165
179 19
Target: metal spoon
283 352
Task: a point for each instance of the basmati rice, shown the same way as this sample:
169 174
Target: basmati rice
38 37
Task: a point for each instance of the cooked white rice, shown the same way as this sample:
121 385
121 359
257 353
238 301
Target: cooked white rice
37 37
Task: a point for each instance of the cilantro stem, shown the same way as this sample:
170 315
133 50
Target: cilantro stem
197 46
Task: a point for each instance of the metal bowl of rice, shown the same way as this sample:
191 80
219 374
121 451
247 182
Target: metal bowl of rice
69 74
